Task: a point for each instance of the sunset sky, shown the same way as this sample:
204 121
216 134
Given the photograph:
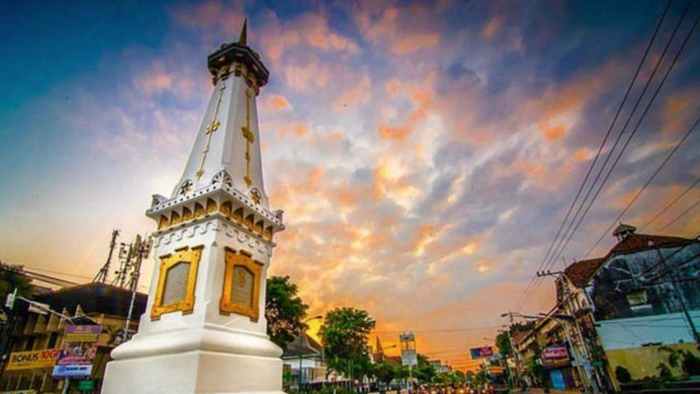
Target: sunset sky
425 153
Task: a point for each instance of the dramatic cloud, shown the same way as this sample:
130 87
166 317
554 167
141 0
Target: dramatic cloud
424 154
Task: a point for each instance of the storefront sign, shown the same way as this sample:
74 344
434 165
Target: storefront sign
32 359
555 353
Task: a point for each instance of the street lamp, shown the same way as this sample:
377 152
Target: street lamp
301 332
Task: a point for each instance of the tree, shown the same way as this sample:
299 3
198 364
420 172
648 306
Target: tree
345 332
503 345
385 372
424 371
284 310
12 277
503 342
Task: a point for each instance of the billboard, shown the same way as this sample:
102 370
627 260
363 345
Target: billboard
481 352
78 351
409 357
32 359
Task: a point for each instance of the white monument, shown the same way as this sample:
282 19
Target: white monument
204 329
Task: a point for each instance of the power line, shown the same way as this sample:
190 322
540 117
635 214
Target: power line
439 330
689 188
680 216
629 118
534 283
648 182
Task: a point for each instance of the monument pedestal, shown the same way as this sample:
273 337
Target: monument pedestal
210 359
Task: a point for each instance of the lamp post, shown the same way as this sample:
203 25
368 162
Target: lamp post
301 355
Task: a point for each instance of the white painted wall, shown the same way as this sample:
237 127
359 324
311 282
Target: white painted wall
636 331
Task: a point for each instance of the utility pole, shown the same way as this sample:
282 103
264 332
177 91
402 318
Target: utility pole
570 313
512 346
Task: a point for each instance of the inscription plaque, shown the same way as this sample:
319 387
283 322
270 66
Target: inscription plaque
242 289
176 283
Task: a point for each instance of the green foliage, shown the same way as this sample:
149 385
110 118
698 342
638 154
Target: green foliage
664 371
622 374
503 345
11 277
284 310
345 332
688 362
691 363
385 372
425 371
503 342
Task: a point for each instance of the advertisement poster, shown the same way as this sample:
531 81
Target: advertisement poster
78 351
32 359
481 352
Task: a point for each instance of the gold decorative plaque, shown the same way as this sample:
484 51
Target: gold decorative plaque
241 292
176 282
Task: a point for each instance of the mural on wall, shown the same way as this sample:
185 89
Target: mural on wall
644 283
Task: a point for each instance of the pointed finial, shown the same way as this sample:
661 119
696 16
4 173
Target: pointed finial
243 39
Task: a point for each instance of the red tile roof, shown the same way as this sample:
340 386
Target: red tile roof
639 242
580 271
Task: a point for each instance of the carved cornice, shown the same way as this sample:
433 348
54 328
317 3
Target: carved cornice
243 236
218 198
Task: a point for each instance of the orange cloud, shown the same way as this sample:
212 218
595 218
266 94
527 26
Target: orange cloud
155 81
676 113
310 29
583 154
555 132
559 107
404 30
393 86
393 133
297 130
280 102
359 92
492 28
309 76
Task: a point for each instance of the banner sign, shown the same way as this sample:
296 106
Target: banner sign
78 352
555 353
32 359
481 352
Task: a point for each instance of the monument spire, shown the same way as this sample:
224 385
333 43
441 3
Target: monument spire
243 37
227 146
204 329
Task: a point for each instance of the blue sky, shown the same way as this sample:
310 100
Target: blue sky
425 154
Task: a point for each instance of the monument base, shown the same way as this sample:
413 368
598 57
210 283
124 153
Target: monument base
209 361
194 372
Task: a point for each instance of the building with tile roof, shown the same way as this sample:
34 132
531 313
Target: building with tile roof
643 294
